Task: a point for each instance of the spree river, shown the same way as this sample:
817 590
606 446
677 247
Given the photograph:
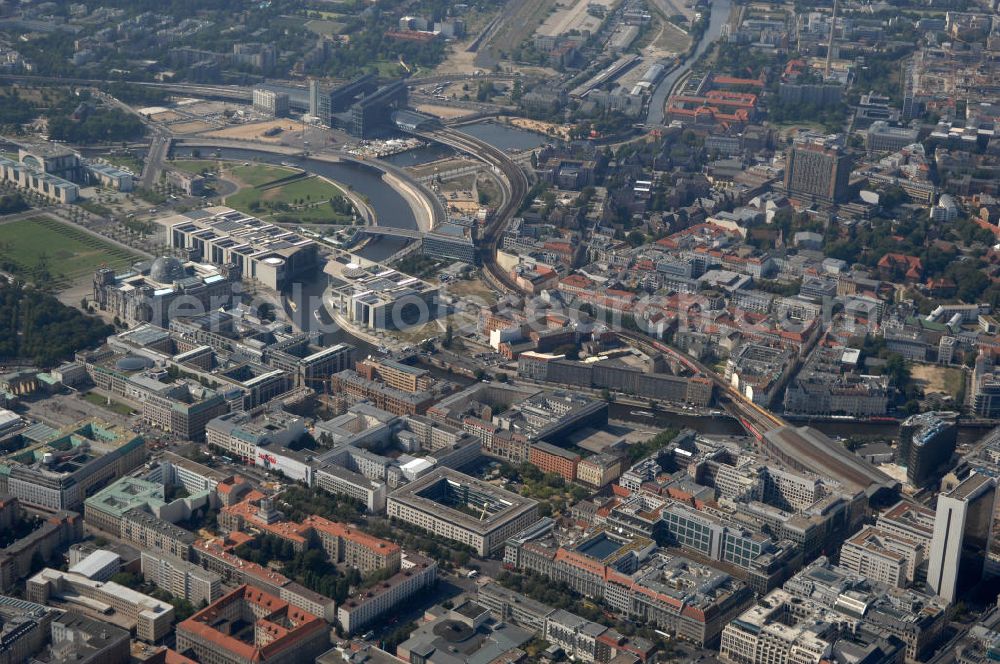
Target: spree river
718 18
504 137
393 210
390 207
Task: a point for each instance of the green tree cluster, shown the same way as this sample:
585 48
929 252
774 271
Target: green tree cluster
449 336
11 203
739 61
15 109
784 289
659 441
914 236
408 536
301 502
23 525
136 94
370 43
309 567
417 265
571 351
397 636
36 326
831 116
883 72
101 125
50 54
485 91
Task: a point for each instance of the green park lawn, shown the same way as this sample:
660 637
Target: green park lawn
388 68
306 200
44 249
323 27
256 175
108 404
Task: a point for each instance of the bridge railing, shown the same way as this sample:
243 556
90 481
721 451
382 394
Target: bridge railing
393 232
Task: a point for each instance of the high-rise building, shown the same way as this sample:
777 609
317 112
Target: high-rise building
373 113
258 56
985 389
961 536
314 99
926 443
818 168
326 102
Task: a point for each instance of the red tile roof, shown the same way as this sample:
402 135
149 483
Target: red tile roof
376 544
577 280
300 532
174 657
287 625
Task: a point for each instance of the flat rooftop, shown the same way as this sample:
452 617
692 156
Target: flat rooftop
412 563
50 150
94 563
598 440
399 366
469 502
193 466
599 547
971 487
67 451
126 494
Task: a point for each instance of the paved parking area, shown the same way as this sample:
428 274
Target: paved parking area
61 410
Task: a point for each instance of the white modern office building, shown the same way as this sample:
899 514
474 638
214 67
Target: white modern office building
961 539
260 250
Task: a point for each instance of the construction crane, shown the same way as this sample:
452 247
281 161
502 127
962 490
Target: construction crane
327 392
327 382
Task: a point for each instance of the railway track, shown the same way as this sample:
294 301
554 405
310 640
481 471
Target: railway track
755 419
515 188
